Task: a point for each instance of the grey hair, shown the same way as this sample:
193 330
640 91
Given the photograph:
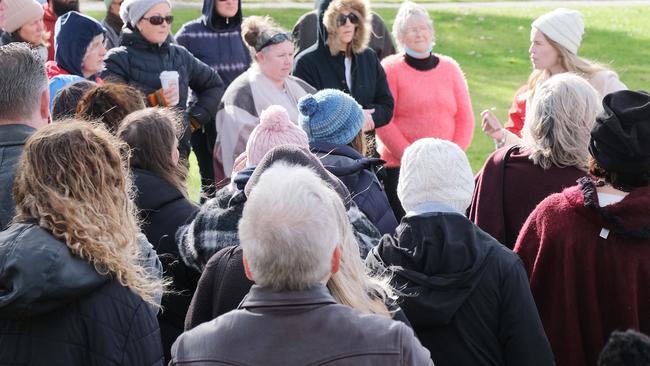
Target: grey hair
408 11
559 121
22 80
290 226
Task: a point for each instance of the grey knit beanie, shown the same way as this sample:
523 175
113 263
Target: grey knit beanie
133 10
435 170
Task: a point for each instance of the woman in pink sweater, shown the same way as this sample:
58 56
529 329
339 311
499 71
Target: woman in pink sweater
430 92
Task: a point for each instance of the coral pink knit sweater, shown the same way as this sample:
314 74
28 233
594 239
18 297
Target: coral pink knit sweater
432 103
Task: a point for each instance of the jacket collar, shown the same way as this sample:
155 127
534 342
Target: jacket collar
263 297
133 38
15 134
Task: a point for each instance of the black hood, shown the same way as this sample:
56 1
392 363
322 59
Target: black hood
215 21
39 274
321 7
441 257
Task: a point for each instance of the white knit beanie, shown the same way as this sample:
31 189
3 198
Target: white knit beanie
21 12
564 26
435 170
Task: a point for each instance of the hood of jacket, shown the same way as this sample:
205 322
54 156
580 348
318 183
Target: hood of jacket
342 160
212 20
438 256
153 191
628 218
364 27
39 274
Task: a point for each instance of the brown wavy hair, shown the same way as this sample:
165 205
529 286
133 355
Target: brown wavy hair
109 104
72 179
150 134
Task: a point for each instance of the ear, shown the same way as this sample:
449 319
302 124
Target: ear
44 109
336 259
259 56
247 269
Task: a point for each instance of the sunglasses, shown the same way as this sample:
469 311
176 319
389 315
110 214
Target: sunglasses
342 19
158 20
278 38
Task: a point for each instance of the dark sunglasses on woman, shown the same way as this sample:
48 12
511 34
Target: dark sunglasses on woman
158 20
342 19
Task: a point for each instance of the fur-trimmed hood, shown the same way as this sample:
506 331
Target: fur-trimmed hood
327 23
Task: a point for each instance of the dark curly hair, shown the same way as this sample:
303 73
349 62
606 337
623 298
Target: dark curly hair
629 348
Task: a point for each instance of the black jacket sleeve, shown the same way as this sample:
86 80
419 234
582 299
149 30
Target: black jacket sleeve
207 88
383 102
143 345
305 70
520 328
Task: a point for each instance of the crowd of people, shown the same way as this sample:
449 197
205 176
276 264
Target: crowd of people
339 223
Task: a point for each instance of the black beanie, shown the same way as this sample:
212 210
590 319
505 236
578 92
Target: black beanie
620 139
301 156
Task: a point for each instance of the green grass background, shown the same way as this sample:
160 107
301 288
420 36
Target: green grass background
491 43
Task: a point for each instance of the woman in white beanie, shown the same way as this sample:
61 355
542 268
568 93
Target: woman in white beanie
24 23
555 38
146 51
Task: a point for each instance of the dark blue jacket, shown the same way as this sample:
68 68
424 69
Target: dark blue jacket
12 141
357 172
217 41
55 309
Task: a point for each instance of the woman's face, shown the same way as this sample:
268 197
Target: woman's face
276 61
347 24
418 35
227 8
542 54
32 31
156 33
93 60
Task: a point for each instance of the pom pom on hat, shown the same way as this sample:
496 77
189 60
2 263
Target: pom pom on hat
275 129
434 170
132 11
564 26
620 138
330 116
20 12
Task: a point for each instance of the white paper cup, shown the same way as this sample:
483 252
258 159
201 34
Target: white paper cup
169 79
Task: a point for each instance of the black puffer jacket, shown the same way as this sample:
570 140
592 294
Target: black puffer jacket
163 209
320 69
55 309
139 63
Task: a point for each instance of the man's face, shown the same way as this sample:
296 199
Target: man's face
60 7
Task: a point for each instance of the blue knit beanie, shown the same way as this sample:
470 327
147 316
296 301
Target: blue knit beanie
330 116
74 32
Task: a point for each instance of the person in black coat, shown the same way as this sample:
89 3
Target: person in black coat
162 201
341 60
466 295
146 50
333 122
73 289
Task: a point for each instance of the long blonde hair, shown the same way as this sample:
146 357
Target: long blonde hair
569 62
73 181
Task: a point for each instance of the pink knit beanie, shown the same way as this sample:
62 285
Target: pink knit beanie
275 129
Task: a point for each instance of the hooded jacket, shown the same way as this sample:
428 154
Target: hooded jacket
465 294
163 209
589 268
358 174
55 309
320 69
217 41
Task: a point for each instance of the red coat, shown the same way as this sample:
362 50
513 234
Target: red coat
586 286
49 18
517 111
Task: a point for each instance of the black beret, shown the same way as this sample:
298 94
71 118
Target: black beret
620 139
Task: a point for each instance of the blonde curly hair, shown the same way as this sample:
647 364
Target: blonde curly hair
73 180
